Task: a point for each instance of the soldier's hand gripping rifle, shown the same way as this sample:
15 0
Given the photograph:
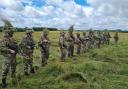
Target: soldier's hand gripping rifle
14 47
44 45
31 46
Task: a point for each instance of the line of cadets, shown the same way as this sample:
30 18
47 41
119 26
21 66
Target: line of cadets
9 48
84 43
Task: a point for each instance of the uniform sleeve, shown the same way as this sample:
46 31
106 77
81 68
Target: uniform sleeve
34 42
3 47
22 43
15 41
61 41
48 40
40 41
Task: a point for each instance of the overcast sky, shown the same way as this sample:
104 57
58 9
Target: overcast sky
84 14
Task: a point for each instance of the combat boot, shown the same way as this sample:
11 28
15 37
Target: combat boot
26 73
4 84
44 64
13 75
32 71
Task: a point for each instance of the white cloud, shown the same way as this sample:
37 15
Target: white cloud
63 13
110 13
54 2
110 7
11 4
31 12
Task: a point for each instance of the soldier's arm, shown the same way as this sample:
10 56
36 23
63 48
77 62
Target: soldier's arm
22 43
49 42
61 42
4 48
39 43
15 41
34 42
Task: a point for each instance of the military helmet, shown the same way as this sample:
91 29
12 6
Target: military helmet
78 34
8 28
29 31
45 31
62 32
71 29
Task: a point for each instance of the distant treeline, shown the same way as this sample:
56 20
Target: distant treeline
55 29
118 30
34 28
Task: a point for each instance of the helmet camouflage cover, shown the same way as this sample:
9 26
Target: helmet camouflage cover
8 28
29 31
71 29
45 31
62 33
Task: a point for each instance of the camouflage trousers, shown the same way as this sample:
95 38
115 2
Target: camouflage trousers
78 49
88 46
84 48
104 40
63 54
44 57
116 41
9 62
70 50
97 44
108 41
28 63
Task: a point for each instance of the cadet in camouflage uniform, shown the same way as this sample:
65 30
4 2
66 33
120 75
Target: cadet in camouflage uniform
9 49
108 38
44 44
99 37
96 42
88 43
84 42
27 45
116 37
63 46
91 39
71 40
79 42
104 38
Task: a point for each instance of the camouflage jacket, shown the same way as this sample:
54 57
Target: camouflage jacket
62 42
27 45
79 40
116 37
44 43
6 45
71 39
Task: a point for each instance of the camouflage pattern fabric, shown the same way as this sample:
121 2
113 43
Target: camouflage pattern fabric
9 58
116 37
27 45
79 42
62 46
84 42
71 40
44 44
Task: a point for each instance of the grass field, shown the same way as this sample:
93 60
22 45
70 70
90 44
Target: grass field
104 68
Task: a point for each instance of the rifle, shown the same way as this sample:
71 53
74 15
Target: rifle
14 47
43 45
30 46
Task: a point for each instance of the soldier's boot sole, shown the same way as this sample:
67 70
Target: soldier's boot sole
32 71
4 84
26 74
